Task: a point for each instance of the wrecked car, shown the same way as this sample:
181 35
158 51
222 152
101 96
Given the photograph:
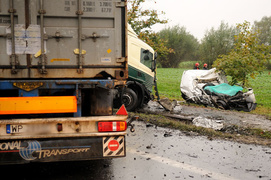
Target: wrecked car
211 88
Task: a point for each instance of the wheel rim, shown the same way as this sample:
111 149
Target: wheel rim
127 99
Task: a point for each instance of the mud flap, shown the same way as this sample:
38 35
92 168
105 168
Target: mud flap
114 146
155 86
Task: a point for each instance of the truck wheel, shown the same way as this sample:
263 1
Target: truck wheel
129 99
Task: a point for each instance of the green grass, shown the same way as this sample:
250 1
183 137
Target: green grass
262 90
169 80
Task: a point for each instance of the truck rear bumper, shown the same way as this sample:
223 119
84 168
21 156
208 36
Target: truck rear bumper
56 127
61 149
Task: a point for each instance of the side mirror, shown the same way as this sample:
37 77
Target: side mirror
153 65
154 62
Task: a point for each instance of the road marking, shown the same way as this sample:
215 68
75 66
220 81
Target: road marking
186 167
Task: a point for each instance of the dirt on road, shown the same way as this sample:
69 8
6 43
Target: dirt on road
228 118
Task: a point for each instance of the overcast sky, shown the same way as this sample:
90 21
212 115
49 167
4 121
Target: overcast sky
200 15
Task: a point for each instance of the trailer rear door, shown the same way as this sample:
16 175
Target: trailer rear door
63 39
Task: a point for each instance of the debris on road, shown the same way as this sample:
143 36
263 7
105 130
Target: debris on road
167 134
187 113
179 117
167 104
208 123
149 125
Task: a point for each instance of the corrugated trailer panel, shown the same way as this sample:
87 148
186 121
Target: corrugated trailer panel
7 17
81 39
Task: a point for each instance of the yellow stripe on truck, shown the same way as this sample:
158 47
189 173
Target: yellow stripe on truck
38 105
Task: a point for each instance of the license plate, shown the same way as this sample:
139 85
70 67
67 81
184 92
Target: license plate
13 129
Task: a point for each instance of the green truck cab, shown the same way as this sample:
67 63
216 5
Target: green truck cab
141 70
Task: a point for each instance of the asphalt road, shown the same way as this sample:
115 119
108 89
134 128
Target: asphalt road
155 153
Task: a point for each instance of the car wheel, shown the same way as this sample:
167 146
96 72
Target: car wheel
222 104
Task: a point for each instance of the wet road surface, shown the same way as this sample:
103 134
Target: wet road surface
160 153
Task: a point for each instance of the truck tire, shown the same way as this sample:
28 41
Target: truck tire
129 99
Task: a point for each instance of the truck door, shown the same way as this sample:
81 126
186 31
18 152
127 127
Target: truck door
13 61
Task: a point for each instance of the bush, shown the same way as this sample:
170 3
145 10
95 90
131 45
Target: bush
187 64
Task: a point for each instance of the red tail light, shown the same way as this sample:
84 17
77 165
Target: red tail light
113 126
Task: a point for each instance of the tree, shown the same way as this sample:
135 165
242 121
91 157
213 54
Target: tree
216 42
248 58
142 20
264 26
184 44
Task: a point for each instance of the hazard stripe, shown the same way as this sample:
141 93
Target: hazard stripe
120 151
105 149
121 141
106 139
116 137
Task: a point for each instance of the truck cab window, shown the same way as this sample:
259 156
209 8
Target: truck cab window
146 57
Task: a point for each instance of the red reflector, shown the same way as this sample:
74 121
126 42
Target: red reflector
122 111
112 126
